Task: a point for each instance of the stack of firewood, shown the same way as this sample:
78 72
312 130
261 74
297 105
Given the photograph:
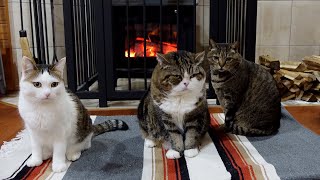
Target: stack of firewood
295 80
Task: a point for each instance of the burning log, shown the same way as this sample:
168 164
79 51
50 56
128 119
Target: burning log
151 48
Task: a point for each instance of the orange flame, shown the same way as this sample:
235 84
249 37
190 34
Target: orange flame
132 54
151 48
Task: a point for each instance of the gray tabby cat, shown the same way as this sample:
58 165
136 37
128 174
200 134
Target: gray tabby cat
246 91
58 123
174 111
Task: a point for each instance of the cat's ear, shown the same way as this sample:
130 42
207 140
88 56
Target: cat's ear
199 57
235 46
161 58
213 45
28 65
59 66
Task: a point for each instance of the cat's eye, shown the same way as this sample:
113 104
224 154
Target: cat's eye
37 84
54 84
194 75
175 76
228 58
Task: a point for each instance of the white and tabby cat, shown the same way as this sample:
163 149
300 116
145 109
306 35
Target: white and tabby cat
59 125
174 111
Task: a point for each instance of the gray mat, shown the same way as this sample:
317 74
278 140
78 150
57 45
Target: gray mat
113 155
294 150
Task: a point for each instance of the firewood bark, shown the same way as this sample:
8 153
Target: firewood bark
293 66
317 75
299 96
287 96
309 97
269 62
307 86
312 62
277 76
300 82
287 83
316 87
295 80
295 89
297 75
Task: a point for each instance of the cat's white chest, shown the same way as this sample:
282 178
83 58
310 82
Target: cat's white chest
47 117
178 106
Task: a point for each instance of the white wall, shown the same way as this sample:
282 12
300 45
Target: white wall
288 30
15 25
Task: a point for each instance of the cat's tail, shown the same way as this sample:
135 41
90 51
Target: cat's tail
240 130
109 125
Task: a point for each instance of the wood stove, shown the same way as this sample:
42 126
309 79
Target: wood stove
141 29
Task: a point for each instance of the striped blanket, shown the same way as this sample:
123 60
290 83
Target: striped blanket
293 153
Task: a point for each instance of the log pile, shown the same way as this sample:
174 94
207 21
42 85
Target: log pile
295 80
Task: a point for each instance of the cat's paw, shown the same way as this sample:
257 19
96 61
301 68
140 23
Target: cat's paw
59 167
73 156
149 143
32 162
191 152
172 154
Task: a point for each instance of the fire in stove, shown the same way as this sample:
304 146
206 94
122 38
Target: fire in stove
153 46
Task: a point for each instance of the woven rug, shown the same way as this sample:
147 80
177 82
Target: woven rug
293 153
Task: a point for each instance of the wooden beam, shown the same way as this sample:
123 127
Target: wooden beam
10 69
133 111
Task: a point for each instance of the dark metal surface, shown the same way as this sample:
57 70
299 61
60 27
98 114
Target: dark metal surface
80 38
93 50
235 20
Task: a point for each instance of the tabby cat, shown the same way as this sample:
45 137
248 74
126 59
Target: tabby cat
174 111
246 91
58 123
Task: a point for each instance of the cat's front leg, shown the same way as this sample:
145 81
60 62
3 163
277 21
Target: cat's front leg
176 140
36 150
59 156
192 139
230 110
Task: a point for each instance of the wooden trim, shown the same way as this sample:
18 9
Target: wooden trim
8 104
10 68
112 111
133 111
307 115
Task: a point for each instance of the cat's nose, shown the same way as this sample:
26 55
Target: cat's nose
47 94
221 63
186 83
